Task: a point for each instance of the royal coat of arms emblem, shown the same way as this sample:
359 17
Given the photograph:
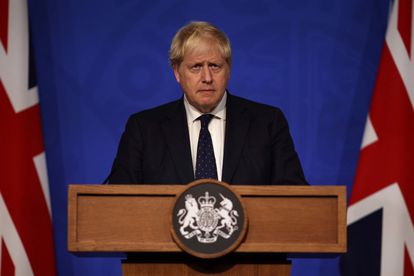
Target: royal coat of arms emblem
202 219
208 219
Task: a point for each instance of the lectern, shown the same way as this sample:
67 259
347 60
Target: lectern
136 219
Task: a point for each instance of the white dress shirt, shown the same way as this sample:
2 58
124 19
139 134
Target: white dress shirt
216 128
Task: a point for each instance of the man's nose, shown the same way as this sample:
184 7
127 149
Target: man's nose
206 75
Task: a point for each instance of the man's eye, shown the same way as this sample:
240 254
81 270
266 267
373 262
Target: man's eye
215 67
196 67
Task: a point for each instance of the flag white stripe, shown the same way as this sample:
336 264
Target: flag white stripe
370 136
41 168
14 64
397 227
13 242
399 53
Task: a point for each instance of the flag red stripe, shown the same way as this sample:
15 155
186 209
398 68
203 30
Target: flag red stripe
4 22
404 22
408 265
391 158
21 140
7 266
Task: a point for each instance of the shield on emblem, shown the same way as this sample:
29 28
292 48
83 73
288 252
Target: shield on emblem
208 219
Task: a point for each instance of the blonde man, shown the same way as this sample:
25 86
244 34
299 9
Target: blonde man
242 142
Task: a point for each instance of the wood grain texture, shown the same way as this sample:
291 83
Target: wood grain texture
136 218
150 269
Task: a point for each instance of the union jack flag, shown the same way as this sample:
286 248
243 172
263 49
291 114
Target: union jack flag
26 242
381 208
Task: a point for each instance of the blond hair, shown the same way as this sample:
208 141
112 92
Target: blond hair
187 38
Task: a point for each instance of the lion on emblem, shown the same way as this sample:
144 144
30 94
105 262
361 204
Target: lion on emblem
188 216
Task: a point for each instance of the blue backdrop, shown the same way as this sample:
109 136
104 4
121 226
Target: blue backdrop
98 61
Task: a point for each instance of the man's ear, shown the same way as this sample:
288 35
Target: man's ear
176 73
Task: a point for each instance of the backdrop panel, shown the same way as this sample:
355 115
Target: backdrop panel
100 61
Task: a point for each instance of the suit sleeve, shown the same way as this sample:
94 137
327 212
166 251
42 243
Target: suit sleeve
286 167
127 166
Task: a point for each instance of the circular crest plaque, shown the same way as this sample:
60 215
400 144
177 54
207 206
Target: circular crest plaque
208 219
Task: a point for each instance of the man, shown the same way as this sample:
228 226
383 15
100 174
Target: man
236 141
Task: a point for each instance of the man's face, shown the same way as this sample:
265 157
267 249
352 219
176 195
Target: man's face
203 76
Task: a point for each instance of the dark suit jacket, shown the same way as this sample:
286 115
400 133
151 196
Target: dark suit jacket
258 148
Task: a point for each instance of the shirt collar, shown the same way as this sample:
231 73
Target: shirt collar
218 112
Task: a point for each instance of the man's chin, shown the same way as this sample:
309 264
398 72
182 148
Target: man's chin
205 102
206 107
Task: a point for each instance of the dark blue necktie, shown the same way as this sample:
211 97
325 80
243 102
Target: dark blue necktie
206 163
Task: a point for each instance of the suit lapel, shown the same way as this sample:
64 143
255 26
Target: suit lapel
175 131
237 125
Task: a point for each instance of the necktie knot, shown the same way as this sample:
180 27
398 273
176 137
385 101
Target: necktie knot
205 120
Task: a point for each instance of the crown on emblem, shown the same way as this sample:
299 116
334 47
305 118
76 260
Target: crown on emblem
206 200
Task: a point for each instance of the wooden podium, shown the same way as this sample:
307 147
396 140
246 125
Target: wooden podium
136 219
